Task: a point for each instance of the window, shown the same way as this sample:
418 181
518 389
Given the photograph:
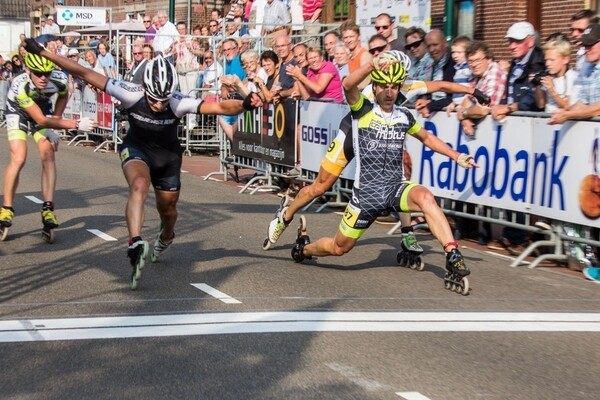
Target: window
466 18
341 10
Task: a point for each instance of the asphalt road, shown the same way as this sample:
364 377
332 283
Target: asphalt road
219 318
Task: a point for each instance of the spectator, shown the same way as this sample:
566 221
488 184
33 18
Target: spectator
199 44
212 71
216 15
92 60
232 66
341 56
580 21
61 47
245 43
257 14
384 25
587 83
106 61
283 47
215 34
150 30
42 25
165 36
527 61
330 40
17 64
311 13
247 9
322 80
269 88
236 8
186 63
51 28
136 72
296 16
7 72
242 28
148 51
300 52
422 64
489 78
232 29
462 72
443 70
358 55
276 20
556 85
70 42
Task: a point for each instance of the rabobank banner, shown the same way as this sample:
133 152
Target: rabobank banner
524 165
84 16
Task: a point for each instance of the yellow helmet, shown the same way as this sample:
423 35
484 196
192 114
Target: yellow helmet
396 72
38 63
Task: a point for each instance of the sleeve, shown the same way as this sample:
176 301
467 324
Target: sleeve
415 127
438 105
182 105
128 93
60 79
19 92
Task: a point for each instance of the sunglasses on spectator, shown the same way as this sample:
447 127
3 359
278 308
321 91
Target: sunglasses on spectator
40 74
137 53
413 45
148 21
377 50
382 27
578 30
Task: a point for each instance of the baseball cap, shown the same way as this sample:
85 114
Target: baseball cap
591 35
520 31
73 52
51 17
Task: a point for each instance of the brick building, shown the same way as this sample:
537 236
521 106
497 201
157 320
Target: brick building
488 20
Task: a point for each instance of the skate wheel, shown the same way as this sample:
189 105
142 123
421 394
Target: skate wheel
266 244
48 235
419 264
401 258
447 285
464 287
3 233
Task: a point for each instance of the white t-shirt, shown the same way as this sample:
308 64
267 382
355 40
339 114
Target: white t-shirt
565 87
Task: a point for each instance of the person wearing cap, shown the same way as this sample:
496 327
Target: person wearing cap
580 21
528 60
51 27
587 83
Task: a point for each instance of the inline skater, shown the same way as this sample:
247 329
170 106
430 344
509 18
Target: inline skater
379 183
29 109
340 152
151 152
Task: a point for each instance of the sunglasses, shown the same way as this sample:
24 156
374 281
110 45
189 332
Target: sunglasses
137 53
40 74
377 50
413 45
382 27
147 22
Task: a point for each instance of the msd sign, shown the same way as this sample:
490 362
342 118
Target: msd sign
85 16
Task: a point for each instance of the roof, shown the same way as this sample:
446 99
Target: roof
18 9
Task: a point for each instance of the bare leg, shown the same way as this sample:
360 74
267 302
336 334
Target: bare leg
421 199
330 246
47 156
137 175
322 183
166 204
18 156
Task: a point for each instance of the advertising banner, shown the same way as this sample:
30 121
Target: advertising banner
82 16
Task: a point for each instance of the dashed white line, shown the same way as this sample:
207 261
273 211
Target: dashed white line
216 293
412 396
102 235
34 199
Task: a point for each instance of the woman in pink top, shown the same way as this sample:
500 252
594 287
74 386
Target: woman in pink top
322 80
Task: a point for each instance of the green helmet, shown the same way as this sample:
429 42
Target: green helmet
38 63
395 74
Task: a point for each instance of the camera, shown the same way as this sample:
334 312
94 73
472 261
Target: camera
537 78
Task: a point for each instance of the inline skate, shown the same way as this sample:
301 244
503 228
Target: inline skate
6 217
50 222
301 240
456 273
137 252
277 225
410 253
160 246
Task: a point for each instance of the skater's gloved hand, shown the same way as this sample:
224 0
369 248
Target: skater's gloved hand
86 124
252 101
53 138
32 46
481 97
466 161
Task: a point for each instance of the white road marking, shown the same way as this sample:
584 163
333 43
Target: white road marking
216 293
102 235
412 396
29 330
34 199
183 171
354 376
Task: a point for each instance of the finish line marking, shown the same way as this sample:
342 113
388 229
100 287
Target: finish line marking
412 396
216 293
30 330
102 235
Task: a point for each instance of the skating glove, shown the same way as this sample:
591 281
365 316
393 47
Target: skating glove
481 97
32 46
465 161
86 124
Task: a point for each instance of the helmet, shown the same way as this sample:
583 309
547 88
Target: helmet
38 63
160 78
399 63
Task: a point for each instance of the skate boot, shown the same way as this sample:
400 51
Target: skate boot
410 254
301 241
6 217
160 246
455 278
277 225
50 222
137 252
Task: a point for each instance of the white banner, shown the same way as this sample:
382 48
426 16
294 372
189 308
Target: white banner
84 16
525 165
318 125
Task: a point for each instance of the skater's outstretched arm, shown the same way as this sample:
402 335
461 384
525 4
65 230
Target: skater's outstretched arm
439 146
231 107
350 83
90 76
